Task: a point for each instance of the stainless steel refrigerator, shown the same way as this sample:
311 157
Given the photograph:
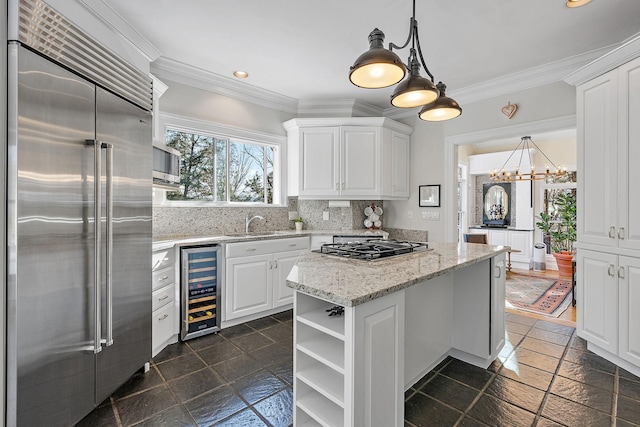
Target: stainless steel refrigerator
79 241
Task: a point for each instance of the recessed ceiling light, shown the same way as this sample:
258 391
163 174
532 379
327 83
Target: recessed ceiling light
577 3
240 74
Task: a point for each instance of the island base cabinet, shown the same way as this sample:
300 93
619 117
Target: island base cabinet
349 368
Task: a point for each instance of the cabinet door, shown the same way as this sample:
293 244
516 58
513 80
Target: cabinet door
628 207
498 285
399 165
597 157
282 265
597 299
360 161
499 237
320 163
248 287
629 301
521 240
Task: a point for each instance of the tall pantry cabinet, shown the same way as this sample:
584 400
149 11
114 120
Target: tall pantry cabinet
608 257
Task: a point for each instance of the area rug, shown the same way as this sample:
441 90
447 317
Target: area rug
549 297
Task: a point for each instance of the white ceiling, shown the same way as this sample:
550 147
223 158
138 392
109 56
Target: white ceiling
303 49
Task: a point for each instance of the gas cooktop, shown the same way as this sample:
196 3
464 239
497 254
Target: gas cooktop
372 249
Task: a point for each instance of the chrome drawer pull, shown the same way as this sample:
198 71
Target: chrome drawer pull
621 272
163 298
612 232
163 279
611 270
163 317
293 244
621 233
251 249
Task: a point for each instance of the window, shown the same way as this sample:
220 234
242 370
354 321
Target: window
218 168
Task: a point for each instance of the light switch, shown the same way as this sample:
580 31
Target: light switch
325 215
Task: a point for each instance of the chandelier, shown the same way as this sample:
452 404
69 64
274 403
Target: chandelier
379 67
517 174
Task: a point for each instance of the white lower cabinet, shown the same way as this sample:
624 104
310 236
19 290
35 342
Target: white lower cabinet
522 240
256 275
608 295
164 305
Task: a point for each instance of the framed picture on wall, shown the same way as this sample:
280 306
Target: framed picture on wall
429 196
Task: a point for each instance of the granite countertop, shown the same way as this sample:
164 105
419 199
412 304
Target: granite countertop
168 242
352 282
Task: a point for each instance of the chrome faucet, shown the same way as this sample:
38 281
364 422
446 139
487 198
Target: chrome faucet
248 220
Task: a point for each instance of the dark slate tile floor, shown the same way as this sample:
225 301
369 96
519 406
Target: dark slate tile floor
243 377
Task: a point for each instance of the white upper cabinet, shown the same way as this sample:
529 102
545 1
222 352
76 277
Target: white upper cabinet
348 158
608 147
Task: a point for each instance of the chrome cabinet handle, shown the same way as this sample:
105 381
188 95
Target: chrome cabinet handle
270 265
163 279
293 244
165 258
612 232
163 317
251 249
337 186
163 298
621 233
611 270
498 272
109 232
343 185
275 264
621 272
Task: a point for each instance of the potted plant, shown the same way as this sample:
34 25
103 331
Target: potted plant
562 231
298 223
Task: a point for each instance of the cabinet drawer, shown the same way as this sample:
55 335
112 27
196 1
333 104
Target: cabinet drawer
261 247
162 324
162 278
162 297
163 259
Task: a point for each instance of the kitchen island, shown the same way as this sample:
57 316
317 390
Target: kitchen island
401 317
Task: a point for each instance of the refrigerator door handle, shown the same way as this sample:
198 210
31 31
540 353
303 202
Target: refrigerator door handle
109 234
97 194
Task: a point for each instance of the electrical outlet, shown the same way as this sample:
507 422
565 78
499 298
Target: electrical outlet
325 215
410 214
293 215
431 216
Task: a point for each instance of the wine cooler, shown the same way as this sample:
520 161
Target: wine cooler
200 290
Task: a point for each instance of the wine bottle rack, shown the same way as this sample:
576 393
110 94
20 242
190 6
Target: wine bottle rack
200 276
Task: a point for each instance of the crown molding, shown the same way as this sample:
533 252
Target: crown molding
533 77
515 131
337 108
607 62
179 72
110 17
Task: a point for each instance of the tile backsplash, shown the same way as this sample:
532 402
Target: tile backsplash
172 222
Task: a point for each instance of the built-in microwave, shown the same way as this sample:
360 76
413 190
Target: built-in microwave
166 166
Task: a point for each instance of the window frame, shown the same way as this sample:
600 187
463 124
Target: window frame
184 124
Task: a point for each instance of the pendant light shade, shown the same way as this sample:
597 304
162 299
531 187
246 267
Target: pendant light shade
443 108
577 3
377 67
415 90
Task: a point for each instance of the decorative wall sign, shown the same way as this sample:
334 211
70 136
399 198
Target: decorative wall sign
509 110
429 196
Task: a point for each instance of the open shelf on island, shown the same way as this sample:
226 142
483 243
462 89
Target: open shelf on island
320 319
321 378
319 408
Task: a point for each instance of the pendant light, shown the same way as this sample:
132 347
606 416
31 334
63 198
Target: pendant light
380 67
506 174
443 108
415 90
377 67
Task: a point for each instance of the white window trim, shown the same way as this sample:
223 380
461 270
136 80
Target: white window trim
186 124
